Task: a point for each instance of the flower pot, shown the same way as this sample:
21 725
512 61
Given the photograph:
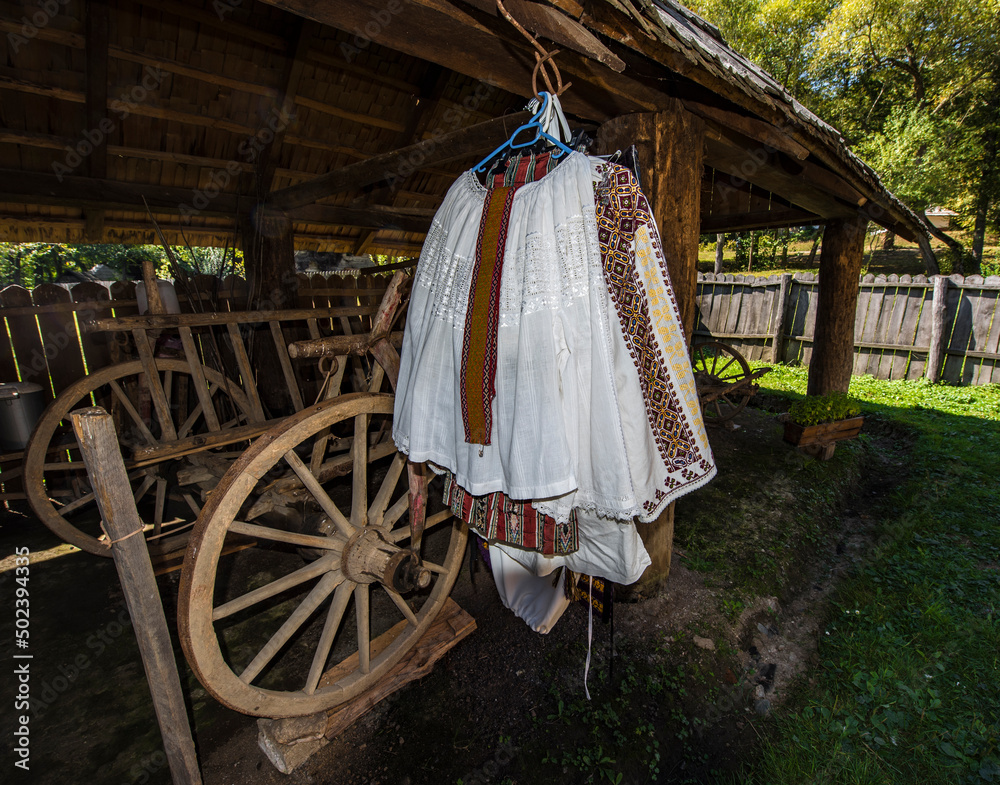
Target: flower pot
821 440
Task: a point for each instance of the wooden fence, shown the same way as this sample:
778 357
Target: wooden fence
905 327
41 340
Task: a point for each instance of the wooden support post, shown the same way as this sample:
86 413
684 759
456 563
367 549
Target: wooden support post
670 146
939 329
839 269
102 456
269 251
778 341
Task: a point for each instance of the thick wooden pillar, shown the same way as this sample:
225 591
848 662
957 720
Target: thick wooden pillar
839 269
670 146
269 255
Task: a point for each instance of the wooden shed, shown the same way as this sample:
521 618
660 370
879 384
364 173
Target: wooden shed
340 125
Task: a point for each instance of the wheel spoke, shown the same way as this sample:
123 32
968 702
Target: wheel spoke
76 504
363 611
280 535
439 569
195 507
377 512
722 370
400 603
333 618
144 486
65 466
161 500
269 590
432 520
396 511
299 616
123 399
359 487
321 496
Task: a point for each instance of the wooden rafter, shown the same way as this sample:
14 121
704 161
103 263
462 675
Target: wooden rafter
763 219
451 146
90 193
490 50
431 90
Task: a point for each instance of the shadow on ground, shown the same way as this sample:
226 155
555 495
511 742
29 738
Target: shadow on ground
698 668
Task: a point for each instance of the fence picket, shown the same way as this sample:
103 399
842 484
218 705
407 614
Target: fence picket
25 339
57 328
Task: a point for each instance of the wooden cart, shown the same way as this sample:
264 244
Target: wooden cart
349 569
724 380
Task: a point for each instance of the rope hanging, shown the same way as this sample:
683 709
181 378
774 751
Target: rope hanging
543 59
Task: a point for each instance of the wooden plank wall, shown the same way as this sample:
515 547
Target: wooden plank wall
893 324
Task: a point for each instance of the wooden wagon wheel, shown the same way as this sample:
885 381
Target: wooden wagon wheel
154 450
287 645
723 378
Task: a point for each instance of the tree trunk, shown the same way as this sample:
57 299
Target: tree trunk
989 189
720 244
889 241
815 247
958 252
752 252
833 344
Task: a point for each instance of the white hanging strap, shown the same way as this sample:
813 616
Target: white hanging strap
553 121
590 636
561 125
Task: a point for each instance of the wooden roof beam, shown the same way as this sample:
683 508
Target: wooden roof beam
760 168
431 90
760 219
18 187
463 142
283 105
489 50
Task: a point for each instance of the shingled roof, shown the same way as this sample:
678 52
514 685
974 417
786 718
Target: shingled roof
353 117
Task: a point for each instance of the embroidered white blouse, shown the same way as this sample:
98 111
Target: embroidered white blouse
556 416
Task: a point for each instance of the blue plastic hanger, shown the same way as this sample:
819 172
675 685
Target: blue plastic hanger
533 123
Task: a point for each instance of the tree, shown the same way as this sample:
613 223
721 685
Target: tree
927 130
911 84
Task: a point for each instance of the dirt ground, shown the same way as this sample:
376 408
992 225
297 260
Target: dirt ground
696 678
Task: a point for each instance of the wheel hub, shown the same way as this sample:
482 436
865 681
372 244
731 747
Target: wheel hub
368 557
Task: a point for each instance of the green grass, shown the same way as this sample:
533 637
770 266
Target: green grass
909 684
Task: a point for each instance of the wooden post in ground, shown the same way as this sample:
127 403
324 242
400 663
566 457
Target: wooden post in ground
671 146
839 270
112 490
269 254
778 341
939 335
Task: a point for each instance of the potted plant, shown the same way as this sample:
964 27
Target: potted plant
816 423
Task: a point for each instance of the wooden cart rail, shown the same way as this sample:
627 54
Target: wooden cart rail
173 321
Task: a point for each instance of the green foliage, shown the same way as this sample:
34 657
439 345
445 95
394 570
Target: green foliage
31 264
914 85
817 409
